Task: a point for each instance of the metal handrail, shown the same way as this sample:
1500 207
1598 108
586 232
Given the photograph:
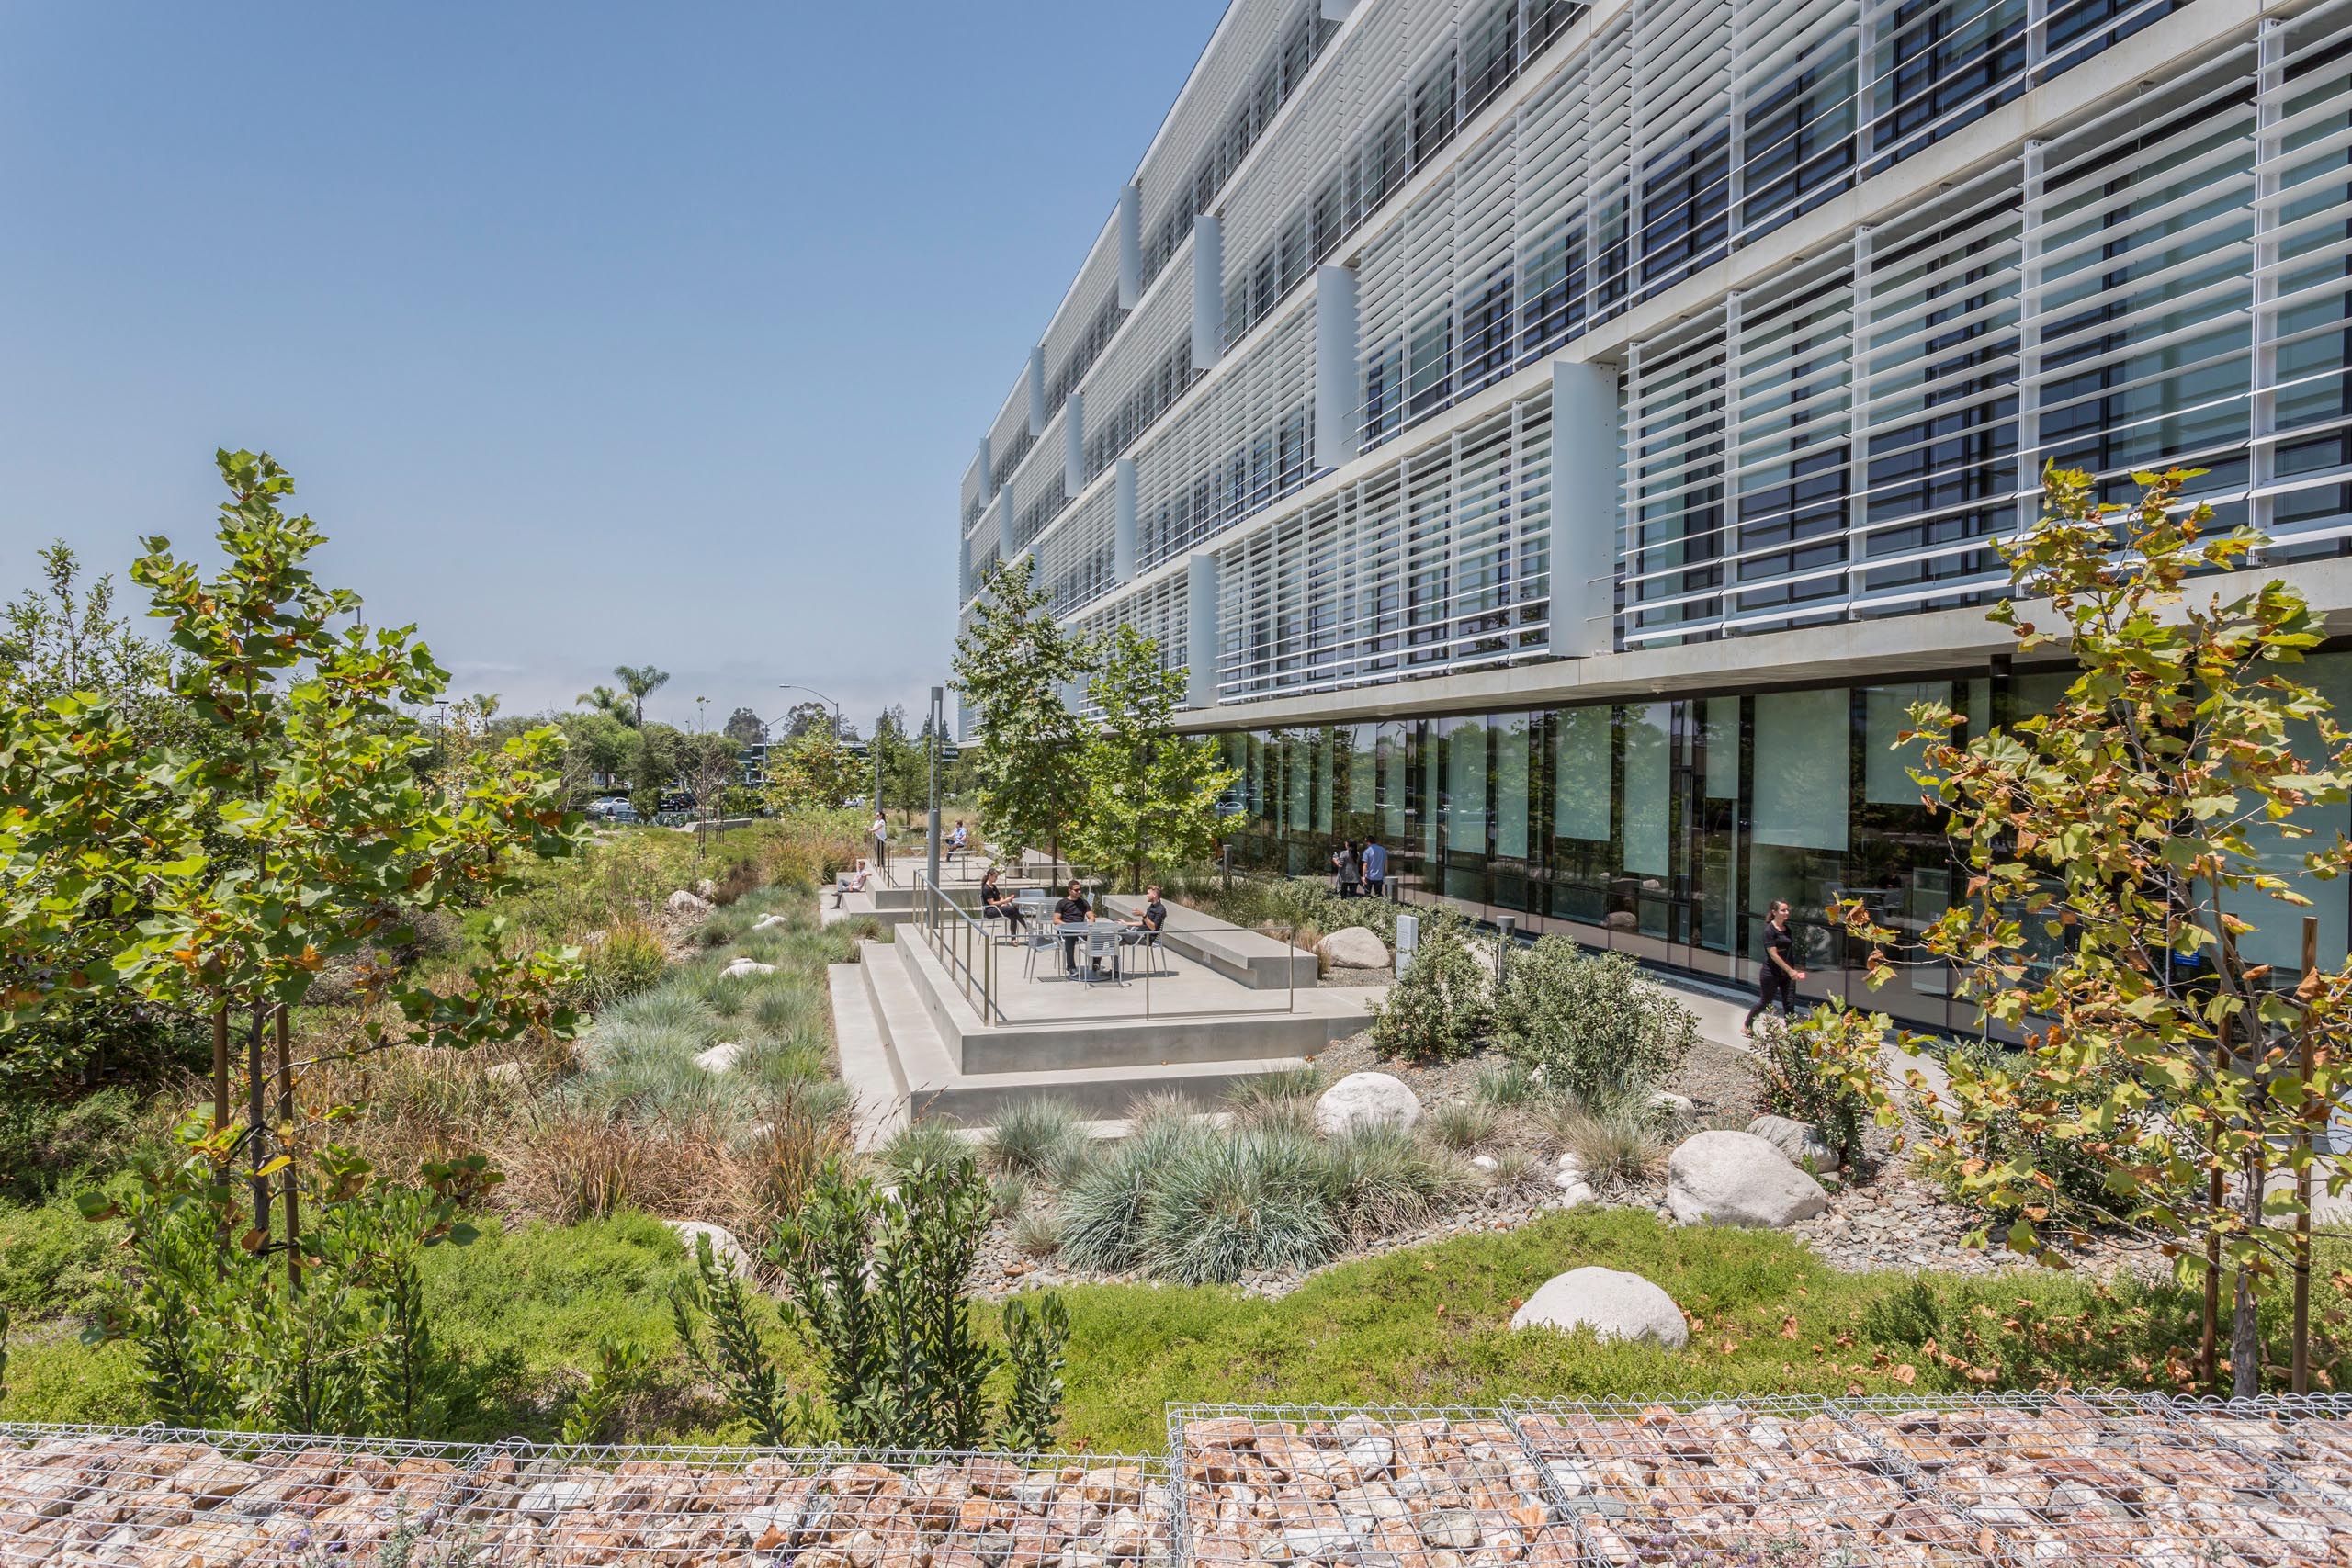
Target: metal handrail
954 943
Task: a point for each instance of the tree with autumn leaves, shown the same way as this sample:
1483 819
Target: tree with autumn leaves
294 820
2120 849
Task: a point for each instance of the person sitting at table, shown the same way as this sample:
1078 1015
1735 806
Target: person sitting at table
1152 917
1072 910
999 905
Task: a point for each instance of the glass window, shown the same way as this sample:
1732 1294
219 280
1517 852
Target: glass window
1648 758
1801 781
1511 770
1722 741
1580 774
1465 787
1887 765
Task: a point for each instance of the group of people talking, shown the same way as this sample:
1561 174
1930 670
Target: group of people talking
1072 908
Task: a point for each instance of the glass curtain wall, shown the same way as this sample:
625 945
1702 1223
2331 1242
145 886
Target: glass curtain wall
1666 830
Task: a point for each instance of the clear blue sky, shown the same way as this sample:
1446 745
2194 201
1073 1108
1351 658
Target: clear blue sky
592 334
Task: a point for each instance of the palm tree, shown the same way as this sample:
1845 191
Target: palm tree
641 681
604 699
485 704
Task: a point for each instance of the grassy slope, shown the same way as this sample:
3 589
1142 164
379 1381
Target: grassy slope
1425 1325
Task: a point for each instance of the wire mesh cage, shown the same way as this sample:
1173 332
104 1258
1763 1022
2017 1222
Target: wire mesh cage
2104 1478
1412 1488
1779 1480
213 1500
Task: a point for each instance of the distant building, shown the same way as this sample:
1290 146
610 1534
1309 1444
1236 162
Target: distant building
1563 439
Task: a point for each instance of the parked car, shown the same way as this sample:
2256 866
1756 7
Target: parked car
611 810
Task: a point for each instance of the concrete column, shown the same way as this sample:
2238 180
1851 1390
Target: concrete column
1335 365
1208 291
1130 246
1122 512
1587 452
1073 446
1200 631
1037 391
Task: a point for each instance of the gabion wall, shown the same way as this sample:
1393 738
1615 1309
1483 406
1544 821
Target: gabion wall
2102 1478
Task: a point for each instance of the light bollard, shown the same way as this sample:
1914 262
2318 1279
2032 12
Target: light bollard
1408 938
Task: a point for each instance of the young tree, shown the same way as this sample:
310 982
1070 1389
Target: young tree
641 681
813 771
1011 667
1151 794
220 872
712 762
2121 848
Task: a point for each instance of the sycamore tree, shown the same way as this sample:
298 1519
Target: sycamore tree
1011 667
215 870
1151 794
2120 851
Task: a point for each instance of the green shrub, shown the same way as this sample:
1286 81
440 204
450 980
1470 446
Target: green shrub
627 960
1102 1212
1506 1085
1802 1079
919 1143
1044 1138
879 1286
1237 1204
1590 1025
1461 1124
1442 1005
2080 1177
1378 1179
52 1260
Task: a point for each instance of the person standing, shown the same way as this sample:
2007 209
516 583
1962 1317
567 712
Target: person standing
1376 868
1776 983
1072 910
1350 866
880 833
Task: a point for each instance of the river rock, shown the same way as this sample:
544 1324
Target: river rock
743 966
719 1058
1612 1303
686 903
1366 1100
1801 1141
1737 1178
725 1250
508 1077
1354 947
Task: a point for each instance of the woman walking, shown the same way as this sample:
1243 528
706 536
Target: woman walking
1347 869
1776 983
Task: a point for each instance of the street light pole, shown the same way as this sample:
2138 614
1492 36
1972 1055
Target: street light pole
931 746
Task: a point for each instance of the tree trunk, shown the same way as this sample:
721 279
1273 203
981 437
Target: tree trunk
286 1120
2246 1343
258 1120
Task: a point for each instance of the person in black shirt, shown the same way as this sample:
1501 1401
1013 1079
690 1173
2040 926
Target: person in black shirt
1152 917
1775 984
996 904
1072 910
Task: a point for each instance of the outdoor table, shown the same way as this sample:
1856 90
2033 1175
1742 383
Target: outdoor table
1090 929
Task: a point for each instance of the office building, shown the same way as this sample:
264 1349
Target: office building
1564 439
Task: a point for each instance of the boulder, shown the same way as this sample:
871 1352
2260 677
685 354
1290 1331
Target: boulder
1575 1190
1354 947
743 966
1612 1303
719 1058
507 1076
1737 1178
686 903
1366 1100
1673 1107
705 888
725 1250
767 922
1485 1162
1801 1141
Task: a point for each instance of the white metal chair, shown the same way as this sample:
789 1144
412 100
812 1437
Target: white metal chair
1103 944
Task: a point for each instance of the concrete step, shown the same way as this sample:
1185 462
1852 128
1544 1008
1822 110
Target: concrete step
938 1089
867 1064
858 906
